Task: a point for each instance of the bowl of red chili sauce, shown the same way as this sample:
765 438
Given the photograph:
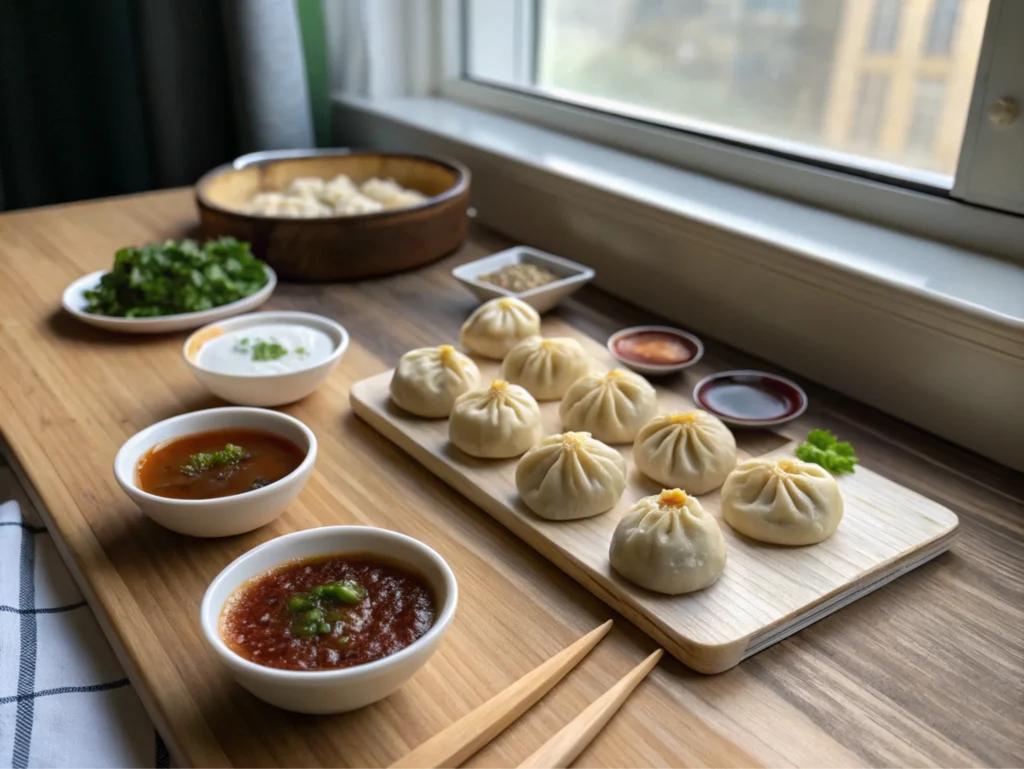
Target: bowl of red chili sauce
330 619
218 472
655 350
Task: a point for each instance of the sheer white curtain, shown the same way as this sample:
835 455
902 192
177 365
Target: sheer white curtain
382 48
268 70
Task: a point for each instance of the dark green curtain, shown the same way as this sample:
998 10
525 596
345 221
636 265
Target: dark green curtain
104 97
314 46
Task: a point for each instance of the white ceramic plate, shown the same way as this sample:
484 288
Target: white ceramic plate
74 302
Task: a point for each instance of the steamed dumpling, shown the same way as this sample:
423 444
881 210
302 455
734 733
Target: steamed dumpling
306 186
357 204
496 326
570 476
338 189
612 407
390 194
406 199
498 422
545 367
691 450
786 503
302 207
427 381
668 543
265 203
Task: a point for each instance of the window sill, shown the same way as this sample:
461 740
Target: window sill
848 303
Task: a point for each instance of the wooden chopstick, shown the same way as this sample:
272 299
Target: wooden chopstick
457 742
562 749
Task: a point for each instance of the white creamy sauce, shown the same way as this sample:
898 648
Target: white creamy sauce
238 352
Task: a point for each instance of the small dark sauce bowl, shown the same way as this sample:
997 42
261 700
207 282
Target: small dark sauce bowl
750 398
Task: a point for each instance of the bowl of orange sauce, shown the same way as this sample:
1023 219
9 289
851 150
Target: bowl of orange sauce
655 350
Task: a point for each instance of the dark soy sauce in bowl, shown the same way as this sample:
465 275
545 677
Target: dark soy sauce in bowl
750 398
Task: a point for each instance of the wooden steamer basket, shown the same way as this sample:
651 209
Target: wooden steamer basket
339 247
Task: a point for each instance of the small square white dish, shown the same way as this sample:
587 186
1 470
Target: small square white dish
572 276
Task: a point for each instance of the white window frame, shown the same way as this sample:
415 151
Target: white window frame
989 174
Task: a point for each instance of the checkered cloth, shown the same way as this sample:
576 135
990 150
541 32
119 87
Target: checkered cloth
64 698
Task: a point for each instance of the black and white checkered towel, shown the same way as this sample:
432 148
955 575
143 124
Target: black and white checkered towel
64 698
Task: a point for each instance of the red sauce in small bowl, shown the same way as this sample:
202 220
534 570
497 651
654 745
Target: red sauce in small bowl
655 348
281 619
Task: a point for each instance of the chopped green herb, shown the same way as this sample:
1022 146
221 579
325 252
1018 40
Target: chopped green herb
822 448
310 623
300 602
175 277
313 611
345 592
263 350
203 461
302 352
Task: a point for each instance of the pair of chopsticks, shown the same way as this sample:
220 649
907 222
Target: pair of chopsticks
454 744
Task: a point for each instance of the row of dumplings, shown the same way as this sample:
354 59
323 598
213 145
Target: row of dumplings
667 543
311 197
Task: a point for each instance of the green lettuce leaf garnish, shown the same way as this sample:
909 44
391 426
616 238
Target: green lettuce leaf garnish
823 448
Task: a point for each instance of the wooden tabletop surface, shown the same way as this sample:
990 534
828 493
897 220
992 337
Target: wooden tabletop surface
927 670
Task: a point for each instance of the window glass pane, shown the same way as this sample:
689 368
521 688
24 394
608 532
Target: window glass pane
885 26
877 84
929 98
942 27
869 110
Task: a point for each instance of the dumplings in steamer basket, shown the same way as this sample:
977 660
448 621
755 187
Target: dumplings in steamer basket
498 325
612 407
546 367
788 502
691 450
668 543
427 380
498 422
570 476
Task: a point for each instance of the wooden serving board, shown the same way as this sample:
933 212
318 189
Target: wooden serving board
766 593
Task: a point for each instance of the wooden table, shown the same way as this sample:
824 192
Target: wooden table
927 670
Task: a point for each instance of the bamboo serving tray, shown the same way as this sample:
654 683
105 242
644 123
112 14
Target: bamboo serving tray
766 593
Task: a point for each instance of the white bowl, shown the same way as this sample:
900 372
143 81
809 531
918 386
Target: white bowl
74 302
543 298
223 516
332 691
274 389
653 369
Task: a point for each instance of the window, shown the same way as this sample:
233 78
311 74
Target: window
751 70
929 99
885 26
877 89
943 25
869 111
